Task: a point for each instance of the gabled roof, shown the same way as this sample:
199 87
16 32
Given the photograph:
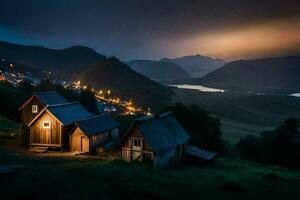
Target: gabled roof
67 113
97 124
162 132
48 98
51 98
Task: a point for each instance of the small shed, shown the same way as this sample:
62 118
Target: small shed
159 140
51 127
93 132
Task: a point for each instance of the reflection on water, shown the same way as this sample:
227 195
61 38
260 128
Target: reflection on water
198 87
295 95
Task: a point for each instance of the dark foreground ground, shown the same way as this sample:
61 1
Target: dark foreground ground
58 175
61 176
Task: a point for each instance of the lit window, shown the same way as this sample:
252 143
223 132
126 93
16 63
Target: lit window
46 124
34 109
136 143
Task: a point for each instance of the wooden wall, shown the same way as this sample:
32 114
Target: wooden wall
164 159
26 112
94 141
46 136
128 152
79 141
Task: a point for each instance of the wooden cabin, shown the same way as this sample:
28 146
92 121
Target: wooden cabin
52 126
36 103
93 132
159 140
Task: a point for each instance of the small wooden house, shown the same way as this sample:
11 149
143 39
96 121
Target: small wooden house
160 140
93 132
36 103
52 126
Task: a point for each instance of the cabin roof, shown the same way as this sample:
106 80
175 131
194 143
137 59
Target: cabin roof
48 98
162 132
97 124
69 113
51 98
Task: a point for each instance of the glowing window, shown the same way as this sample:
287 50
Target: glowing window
46 124
34 109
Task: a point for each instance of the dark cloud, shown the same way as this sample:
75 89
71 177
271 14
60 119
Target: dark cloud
132 28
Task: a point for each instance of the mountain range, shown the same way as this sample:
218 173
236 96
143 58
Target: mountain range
266 73
92 68
66 62
159 70
197 65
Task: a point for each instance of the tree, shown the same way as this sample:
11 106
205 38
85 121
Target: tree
203 129
88 100
280 146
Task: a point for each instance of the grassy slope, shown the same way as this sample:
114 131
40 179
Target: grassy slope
66 178
7 125
241 113
39 175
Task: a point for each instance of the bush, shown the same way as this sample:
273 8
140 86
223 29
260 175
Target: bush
280 146
203 129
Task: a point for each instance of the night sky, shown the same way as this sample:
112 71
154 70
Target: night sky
130 29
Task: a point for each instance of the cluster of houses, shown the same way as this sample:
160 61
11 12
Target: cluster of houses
50 121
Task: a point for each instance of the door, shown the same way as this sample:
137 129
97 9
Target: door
84 144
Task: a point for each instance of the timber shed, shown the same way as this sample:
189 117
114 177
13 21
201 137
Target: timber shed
92 132
159 140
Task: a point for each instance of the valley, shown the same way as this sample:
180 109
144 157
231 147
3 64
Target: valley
242 113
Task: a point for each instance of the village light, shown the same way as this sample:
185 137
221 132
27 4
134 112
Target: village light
100 92
108 92
84 87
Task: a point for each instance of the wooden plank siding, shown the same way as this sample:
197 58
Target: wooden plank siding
79 141
145 154
46 136
129 152
26 112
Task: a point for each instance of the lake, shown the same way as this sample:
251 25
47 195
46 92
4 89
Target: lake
198 87
295 95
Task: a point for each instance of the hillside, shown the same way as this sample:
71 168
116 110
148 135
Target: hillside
8 66
268 73
197 65
158 70
125 82
67 61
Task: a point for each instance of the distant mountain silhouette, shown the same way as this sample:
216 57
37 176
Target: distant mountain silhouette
67 61
197 65
158 70
112 74
281 72
92 68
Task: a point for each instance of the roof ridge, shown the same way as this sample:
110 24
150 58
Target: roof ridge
91 117
52 92
64 104
165 114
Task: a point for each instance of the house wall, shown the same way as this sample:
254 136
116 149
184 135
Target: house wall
26 113
128 152
46 136
94 141
79 141
170 157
